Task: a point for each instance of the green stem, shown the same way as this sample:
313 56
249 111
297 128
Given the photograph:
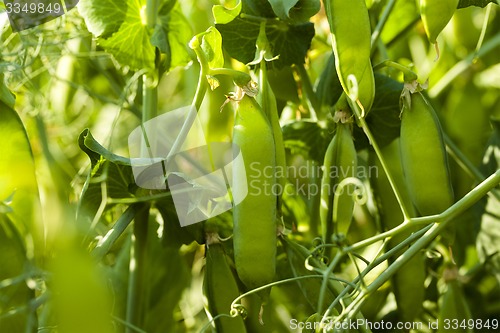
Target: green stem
409 75
116 231
135 292
445 218
151 13
195 105
463 65
311 98
381 23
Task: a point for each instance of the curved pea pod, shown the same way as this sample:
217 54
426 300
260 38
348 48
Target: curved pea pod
220 290
254 217
408 282
340 163
423 157
435 16
351 41
453 308
267 100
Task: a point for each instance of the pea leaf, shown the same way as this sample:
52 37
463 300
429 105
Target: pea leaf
104 17
171 37
477 3
212 47
289 42
125 35
17 173
223 15
260 8
296 11
383 119
306 138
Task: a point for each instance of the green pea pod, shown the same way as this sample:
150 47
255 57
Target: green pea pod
435 15
340 163
254 230
423 156
408 282
351 42
220 290
453 309
267 100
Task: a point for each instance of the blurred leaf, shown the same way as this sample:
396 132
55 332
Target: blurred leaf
383 119
80 297
14 295
296 11
404 12
488 239
477 3
306 138
289 42
17 175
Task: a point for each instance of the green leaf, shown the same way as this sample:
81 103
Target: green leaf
289 42
171 37
17 175
131 45
5 95
383 119
211 45
260 8
223 15
306 138
296 11
477 3
107 167
104 17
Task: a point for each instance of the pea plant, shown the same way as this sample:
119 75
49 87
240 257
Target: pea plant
344 176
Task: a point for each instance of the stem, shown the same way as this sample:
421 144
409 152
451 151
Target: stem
135 292
381 23
409 75
446 217
195 105
484 27
151 13
116 231
311 98
461 66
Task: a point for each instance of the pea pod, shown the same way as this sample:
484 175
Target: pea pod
351 41
340 163
453 307
435 16
408 282
220 290
254 230
423 156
